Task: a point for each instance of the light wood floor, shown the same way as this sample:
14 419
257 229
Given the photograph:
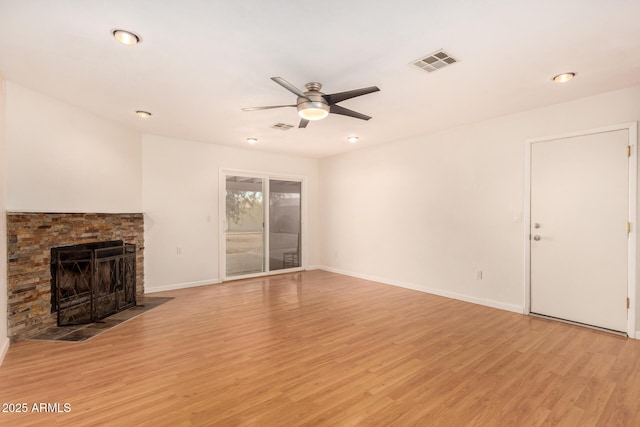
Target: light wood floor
318 348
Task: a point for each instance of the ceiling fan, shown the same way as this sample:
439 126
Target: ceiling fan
315 105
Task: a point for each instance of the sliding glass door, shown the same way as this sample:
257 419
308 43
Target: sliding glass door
284 224
244 225
262 225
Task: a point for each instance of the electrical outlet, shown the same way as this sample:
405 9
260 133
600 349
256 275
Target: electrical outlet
179 250
478 274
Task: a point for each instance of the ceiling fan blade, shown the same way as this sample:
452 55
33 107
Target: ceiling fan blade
336 109
288 86
266 108
334 98
303 123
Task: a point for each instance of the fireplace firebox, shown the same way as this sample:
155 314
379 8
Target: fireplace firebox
92 281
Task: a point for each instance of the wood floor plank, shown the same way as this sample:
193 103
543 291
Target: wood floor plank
319 348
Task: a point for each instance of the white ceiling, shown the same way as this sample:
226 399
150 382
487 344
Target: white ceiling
200 62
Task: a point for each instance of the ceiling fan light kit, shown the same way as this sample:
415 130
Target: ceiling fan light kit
314 105
313 113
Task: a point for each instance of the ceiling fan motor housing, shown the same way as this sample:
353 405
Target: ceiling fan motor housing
314 107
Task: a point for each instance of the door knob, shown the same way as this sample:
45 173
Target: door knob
536 237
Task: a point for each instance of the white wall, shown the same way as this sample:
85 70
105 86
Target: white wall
424 212
181 189
63 159
4 341
429 211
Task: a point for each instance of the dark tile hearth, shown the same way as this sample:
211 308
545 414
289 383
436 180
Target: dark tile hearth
79 333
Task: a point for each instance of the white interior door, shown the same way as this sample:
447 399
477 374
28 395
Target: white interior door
579 214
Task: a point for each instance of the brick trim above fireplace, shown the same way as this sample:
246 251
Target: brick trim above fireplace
30 237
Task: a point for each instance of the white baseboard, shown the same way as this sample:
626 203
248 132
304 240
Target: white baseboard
150 290
173 287
467 298
637 335
4 347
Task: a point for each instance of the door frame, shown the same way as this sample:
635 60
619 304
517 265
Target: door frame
265 176
632 128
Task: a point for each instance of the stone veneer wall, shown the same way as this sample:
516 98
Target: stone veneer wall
30 237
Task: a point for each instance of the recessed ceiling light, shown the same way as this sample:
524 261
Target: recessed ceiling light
252 140
126 37
564 77
352 139
143 114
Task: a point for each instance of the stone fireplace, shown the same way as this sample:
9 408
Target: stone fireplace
30 238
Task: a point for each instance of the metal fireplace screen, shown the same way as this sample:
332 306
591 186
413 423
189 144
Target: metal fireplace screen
92 281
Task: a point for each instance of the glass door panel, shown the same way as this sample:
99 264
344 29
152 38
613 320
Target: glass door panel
284 224
244 225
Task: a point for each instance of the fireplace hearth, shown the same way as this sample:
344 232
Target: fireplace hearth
92 281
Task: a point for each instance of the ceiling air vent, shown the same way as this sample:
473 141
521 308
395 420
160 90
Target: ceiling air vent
282 126
435 61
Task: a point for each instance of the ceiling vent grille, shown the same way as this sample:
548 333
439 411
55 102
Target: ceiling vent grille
435 61
282 126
